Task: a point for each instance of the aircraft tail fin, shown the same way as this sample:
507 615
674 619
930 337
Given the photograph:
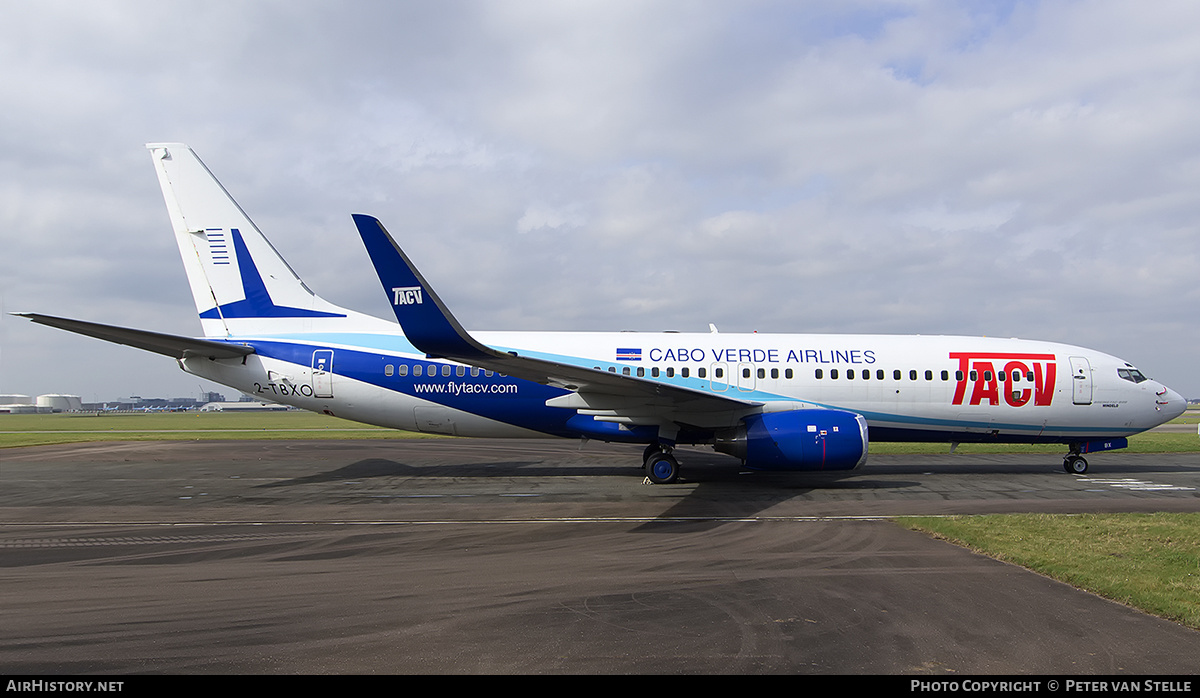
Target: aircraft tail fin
240 283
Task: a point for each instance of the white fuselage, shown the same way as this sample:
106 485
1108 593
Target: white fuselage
909 388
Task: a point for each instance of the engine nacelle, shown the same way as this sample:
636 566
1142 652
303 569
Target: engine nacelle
812 439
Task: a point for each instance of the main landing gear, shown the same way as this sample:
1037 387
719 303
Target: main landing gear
661 466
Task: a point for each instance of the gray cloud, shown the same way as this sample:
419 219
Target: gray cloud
1023 169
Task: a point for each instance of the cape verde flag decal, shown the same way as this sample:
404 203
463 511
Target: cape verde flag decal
629 354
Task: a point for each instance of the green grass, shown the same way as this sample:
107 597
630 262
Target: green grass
1149 442
141 426
41 429
1148 561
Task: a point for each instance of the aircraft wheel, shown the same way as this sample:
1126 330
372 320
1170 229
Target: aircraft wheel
650 451
1076 465
662 469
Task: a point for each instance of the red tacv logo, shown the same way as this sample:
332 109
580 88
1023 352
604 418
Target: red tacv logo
979 370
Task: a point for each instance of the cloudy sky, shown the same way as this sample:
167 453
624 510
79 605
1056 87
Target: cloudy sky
1024 169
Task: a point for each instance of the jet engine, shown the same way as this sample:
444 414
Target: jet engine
806 439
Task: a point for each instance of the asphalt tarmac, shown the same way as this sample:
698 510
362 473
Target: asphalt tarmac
473 556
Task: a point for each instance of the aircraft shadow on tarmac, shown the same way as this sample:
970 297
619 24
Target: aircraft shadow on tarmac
713 490
703 470
382 467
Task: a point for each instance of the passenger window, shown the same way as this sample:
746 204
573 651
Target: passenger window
460 371
896 374
446 370
833 373
641 372
912 375
402 369
958 375
625 370
929 375
974 375
670 372
703 373
987 375
788 373
654 372
474 371
879 374
774 373
487 374
820 374
717 373
388 370
945 375
417 369
683 372
762 373
850 374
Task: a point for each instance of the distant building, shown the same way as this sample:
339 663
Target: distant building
60 403
44 404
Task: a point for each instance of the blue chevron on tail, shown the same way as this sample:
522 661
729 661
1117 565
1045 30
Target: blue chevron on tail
257 302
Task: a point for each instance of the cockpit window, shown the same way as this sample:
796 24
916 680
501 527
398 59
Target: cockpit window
1131 374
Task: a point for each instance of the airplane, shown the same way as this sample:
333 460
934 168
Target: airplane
793 402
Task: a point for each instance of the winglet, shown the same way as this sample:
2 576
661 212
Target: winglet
426 321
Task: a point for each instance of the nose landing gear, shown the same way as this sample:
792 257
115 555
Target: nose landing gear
1075 464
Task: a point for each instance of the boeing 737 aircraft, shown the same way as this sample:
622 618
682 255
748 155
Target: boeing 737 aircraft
777 402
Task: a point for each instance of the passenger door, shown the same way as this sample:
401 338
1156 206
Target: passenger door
322 373
1081 381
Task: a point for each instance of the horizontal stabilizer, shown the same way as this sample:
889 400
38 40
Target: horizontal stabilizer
167 344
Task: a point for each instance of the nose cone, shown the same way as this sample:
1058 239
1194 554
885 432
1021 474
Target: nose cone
1171 404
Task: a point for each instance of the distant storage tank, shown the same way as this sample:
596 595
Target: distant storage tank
15 400
60 403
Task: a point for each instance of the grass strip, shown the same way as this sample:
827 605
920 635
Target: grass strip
1147 561
43 429
1148 442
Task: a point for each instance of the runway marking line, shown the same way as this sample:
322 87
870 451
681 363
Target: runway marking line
1130 483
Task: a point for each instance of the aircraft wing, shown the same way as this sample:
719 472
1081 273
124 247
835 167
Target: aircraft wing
167 344
431 328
